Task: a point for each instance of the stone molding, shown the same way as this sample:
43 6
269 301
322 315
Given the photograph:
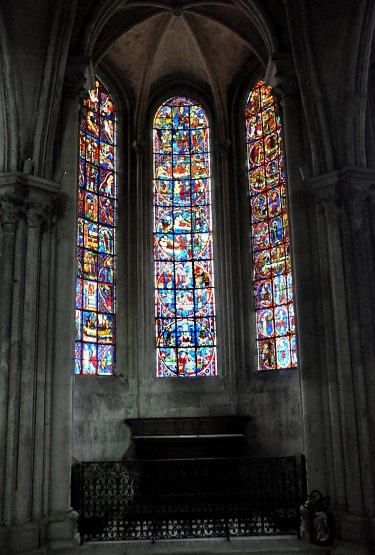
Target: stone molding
344 190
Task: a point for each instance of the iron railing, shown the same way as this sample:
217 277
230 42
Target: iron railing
188 498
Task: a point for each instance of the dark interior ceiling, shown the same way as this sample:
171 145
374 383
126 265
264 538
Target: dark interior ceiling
199 41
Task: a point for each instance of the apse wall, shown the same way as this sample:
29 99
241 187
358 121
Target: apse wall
101 406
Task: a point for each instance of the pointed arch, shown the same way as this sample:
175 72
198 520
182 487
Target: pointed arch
183 250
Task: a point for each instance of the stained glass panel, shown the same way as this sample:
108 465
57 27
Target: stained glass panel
96 239
273 284
183 252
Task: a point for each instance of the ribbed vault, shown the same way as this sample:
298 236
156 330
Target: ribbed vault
197 41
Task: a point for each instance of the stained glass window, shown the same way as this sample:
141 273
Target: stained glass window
96 241
183 253
273 284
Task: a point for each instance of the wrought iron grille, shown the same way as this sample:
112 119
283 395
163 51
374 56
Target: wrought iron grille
188 498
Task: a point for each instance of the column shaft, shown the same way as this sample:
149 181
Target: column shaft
25 456
9 214
15 375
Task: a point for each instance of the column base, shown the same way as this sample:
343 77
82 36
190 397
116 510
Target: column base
29 538
62 531
353 528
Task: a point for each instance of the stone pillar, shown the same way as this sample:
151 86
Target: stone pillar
25 403
10 214
223 246
61 530
25 457
333 262
281 76
345 218
140 280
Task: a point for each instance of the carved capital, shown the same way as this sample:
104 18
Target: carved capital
345 190
37 213
11 209
330 202
280 74
355 205
79 79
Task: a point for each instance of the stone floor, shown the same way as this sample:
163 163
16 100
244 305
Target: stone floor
239 546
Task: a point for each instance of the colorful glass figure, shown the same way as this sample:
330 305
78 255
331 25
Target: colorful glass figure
273 285
184 275
96 240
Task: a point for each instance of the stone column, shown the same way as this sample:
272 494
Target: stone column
332 257
79 78
281 76
24 491
330 396
140 331
14 373
28 289
10 213
223 246
344 215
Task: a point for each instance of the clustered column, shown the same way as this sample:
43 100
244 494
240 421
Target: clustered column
26 292
333 240
344 215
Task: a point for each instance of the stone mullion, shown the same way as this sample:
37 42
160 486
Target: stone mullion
25 456
41 416
15 374
9 220
361 328
225 241
141 331
334 443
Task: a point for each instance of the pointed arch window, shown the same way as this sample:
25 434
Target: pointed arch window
96 239
183 251
273 282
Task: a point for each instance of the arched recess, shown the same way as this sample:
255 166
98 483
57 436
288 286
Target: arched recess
183 249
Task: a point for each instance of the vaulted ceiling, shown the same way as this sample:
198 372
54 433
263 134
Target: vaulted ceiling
206 42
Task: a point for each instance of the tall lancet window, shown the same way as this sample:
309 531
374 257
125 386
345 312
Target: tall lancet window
273 284
96 241
183 252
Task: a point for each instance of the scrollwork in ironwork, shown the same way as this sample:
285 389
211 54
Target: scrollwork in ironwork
197 498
